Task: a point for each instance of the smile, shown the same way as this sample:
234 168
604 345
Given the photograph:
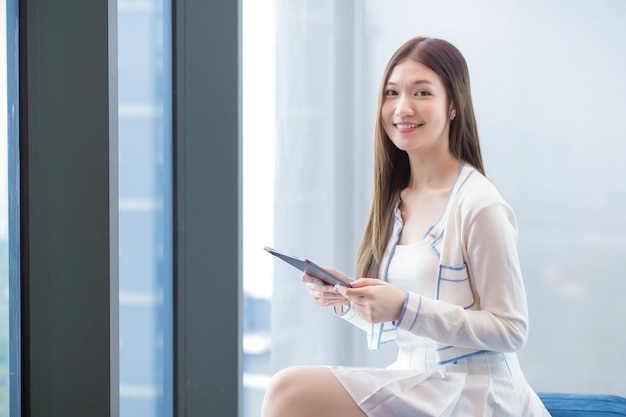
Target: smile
402 127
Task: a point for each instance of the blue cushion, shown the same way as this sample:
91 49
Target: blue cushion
583 405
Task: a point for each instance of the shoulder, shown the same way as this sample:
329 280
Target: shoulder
475 192
476 188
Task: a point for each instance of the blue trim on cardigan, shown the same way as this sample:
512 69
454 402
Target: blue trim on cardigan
453 360
406 302
445 209
417 313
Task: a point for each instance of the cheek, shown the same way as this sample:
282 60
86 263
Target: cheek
386 111
435 113
386 114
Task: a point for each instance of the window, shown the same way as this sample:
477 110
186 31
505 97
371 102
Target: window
65 159
259 73
145 208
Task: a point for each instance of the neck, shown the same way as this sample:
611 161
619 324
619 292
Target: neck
433 171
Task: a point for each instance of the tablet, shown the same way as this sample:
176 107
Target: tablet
309 267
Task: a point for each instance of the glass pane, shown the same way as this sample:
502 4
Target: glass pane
258 187
145 211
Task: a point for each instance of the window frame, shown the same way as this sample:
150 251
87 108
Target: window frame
67 210
68 282
207 206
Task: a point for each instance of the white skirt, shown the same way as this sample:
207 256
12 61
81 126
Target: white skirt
487 384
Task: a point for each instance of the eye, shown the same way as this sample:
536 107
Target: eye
422 93
391 92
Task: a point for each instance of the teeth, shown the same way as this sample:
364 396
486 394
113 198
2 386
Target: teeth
406 125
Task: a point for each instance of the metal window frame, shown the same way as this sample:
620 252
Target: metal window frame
68 208
207 233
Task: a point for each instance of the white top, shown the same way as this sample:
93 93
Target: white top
414 268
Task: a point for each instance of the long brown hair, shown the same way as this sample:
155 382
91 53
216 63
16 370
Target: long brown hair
391 165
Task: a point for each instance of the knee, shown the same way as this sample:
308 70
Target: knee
283 393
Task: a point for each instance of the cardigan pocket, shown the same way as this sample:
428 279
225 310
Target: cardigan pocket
454 286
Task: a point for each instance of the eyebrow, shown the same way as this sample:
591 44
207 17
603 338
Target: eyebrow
416 82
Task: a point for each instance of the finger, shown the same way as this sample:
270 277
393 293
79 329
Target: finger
310 279
343 301
330 301
354 293
336 272
326 294
364 282
321 288
340 289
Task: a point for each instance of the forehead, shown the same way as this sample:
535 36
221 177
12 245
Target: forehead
409 71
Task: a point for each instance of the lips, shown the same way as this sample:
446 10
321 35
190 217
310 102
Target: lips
406 127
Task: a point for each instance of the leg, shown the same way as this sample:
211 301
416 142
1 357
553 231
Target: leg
308 391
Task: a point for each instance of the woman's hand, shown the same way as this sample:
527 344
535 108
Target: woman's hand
373 299
324 294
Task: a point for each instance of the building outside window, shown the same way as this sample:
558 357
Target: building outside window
145 213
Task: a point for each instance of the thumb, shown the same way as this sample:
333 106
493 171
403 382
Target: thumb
364 282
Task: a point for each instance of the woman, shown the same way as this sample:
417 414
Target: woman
439 257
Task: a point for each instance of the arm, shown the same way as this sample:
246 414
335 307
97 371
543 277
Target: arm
498 318
373 305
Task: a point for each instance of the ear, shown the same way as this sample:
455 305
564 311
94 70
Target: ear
455 106
452 110
452 113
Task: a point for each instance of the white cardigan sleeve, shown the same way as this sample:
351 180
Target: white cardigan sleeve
495 316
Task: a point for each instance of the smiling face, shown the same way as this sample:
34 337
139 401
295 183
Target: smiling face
416 112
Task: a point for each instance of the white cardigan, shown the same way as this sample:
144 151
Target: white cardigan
480 303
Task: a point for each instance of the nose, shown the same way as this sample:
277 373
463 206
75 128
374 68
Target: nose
403 107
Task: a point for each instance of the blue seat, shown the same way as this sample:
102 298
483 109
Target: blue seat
583 405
